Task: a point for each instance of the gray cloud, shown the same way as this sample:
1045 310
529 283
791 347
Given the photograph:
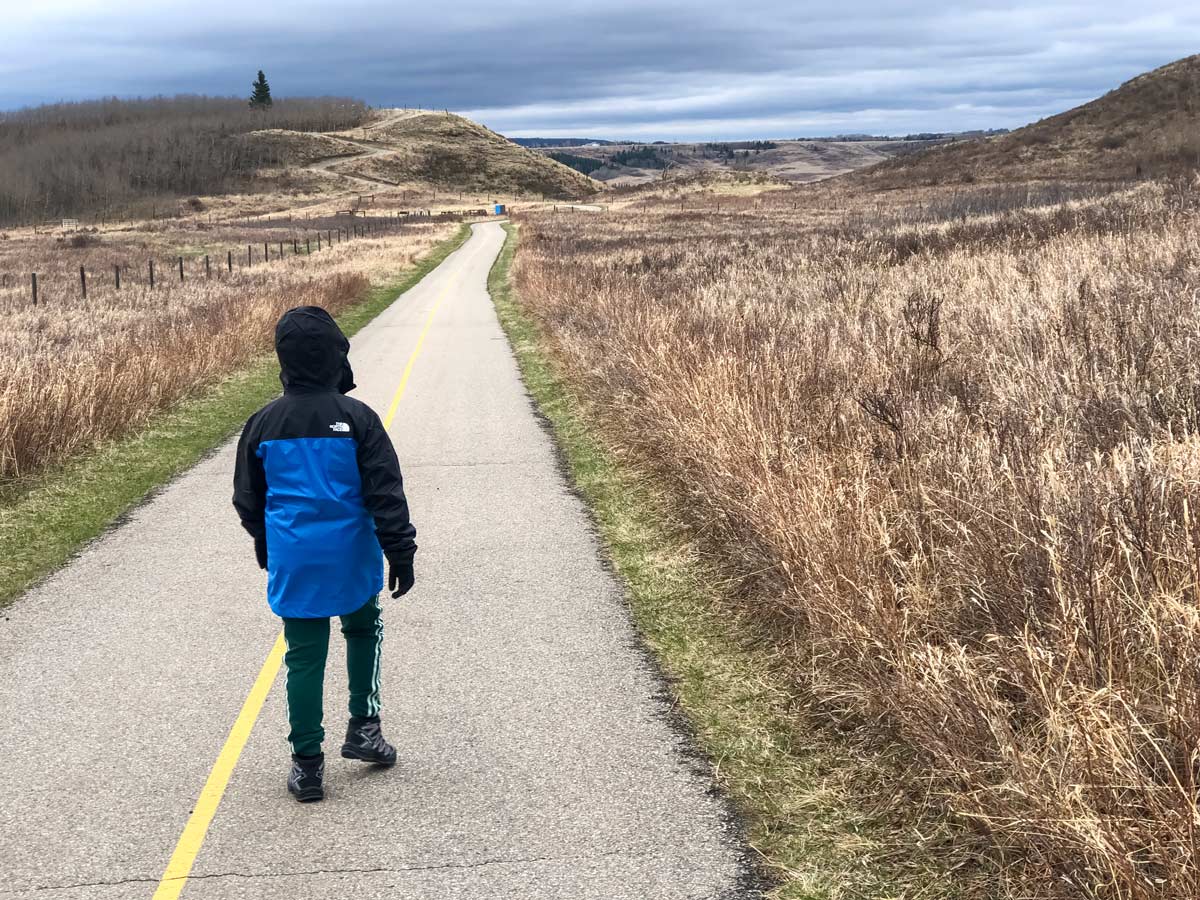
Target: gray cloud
645 70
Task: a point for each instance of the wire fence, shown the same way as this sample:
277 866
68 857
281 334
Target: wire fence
157 272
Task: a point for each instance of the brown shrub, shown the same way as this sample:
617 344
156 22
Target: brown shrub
81 240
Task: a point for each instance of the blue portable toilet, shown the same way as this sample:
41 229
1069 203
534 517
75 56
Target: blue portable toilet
499 209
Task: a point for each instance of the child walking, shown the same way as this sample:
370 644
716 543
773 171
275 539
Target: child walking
318 487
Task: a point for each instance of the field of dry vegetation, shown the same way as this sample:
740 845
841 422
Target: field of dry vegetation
75 372
947 445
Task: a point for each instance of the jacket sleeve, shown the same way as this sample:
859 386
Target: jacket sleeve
250 483
383 491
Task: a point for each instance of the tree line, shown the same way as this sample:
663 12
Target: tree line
639 157
103 156
585 164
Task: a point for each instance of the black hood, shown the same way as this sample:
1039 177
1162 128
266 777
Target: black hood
312 352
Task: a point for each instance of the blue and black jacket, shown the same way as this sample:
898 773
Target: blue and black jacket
318 479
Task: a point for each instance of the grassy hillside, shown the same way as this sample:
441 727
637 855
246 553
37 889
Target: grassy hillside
1148 127
286 149
449 151
119 158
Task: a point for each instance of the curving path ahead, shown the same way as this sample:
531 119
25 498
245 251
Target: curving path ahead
536 755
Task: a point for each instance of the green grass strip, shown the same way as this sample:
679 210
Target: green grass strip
808 800
43 521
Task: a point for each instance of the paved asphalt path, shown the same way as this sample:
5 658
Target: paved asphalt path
537 756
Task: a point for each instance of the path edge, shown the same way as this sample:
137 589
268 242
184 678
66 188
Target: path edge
579 455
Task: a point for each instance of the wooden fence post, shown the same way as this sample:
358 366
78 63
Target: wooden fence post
229 260
35 288
207 267
83 282
117 276
181 270
308 246
281 249
318 241
151 274
295 247
249 255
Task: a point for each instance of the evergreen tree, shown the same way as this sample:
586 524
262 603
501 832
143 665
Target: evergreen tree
261 98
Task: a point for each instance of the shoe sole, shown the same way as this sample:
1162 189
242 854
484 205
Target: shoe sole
349 751
309 795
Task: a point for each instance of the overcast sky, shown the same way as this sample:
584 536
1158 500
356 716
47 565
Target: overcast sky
640 69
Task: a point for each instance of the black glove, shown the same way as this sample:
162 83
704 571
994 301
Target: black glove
260 551
400 578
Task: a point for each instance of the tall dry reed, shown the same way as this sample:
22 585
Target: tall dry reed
75 372
955 462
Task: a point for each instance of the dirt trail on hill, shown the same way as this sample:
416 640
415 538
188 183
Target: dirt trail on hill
355 138
330 163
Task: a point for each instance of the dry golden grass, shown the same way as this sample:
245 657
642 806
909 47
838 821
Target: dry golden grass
298 148
948 447
76 372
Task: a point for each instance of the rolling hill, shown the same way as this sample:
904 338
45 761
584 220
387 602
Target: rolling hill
431 148
788 160
1147 127
117 158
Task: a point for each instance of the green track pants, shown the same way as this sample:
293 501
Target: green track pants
307 649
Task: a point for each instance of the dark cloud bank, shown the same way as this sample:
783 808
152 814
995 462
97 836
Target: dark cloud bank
643 70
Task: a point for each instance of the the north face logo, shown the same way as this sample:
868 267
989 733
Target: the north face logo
339 426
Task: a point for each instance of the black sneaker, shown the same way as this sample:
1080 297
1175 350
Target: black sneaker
305 779
364 741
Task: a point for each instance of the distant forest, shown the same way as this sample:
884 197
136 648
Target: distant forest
69 159
584 164
640 157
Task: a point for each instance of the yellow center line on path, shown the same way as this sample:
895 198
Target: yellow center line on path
391 413
180 866
179 869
